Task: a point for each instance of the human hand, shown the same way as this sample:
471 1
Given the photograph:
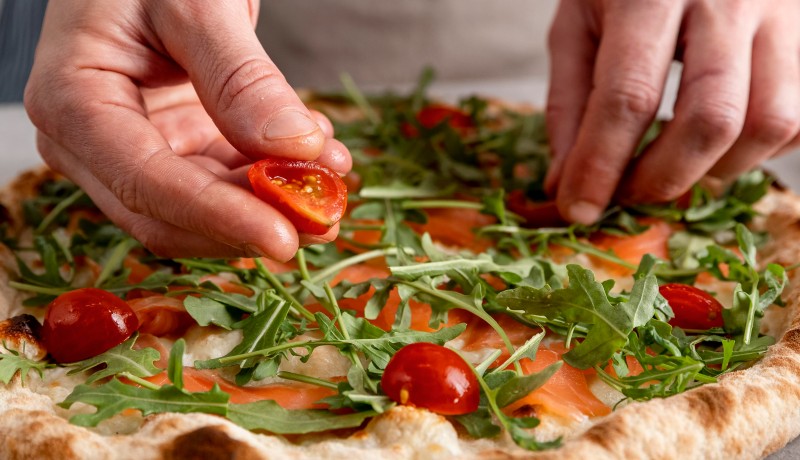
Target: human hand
738 104
158 108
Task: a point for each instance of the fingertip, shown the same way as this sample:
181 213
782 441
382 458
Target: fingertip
324 123
294 134
281 246
580 211
336 156
290 124
330 235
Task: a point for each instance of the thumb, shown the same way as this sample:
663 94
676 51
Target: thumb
243 91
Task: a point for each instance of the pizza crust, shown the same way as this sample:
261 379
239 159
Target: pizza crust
748 414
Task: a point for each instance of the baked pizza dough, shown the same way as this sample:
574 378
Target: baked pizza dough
747 414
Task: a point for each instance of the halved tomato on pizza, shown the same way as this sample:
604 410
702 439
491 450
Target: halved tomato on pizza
456 315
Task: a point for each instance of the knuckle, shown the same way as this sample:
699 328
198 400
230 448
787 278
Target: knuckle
253 75
716 124
772 127
667 187
132 186
632 98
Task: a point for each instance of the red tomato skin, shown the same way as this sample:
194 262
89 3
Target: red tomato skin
432 377
434 114
85 322
314 215
694 308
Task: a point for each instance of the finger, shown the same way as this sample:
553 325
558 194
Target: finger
773 112
124 151
222 151
632 64
324 123
186 127
572 50
709 111
160 238
241 88
336 156
208 163
330 235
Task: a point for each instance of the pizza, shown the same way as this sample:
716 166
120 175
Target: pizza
455 316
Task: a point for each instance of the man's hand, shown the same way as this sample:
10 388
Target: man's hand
738 104
157 108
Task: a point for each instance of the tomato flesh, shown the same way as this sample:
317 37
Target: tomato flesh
312 196
694 308
432 377
86 322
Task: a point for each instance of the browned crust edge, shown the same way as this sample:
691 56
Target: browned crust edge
748 414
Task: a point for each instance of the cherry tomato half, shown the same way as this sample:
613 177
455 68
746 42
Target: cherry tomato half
86 322
694 308
432 377
310 195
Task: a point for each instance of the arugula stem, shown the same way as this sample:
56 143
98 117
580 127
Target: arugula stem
58 209
480 313
139 381
347 226
359 99
592 250
568 339
355 260
115 260
609 380
440 204
210 266
38 289
484 365
751 314
307 379
301 264
281 289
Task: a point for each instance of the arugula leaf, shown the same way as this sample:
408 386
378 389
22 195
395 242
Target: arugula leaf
586 301
269 416
122 358
208 311
12 362
114 397
516 387
260 331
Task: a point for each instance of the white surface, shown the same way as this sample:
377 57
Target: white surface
17 142
18 152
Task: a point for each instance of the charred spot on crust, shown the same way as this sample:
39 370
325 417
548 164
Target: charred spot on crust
22 327
712 406
606 434
209 443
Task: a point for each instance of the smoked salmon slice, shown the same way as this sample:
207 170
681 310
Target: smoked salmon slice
566 394
292 395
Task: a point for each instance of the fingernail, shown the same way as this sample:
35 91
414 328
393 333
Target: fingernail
583 212
290 123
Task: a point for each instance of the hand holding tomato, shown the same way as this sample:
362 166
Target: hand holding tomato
157 109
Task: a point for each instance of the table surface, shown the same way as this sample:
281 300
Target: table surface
18 151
